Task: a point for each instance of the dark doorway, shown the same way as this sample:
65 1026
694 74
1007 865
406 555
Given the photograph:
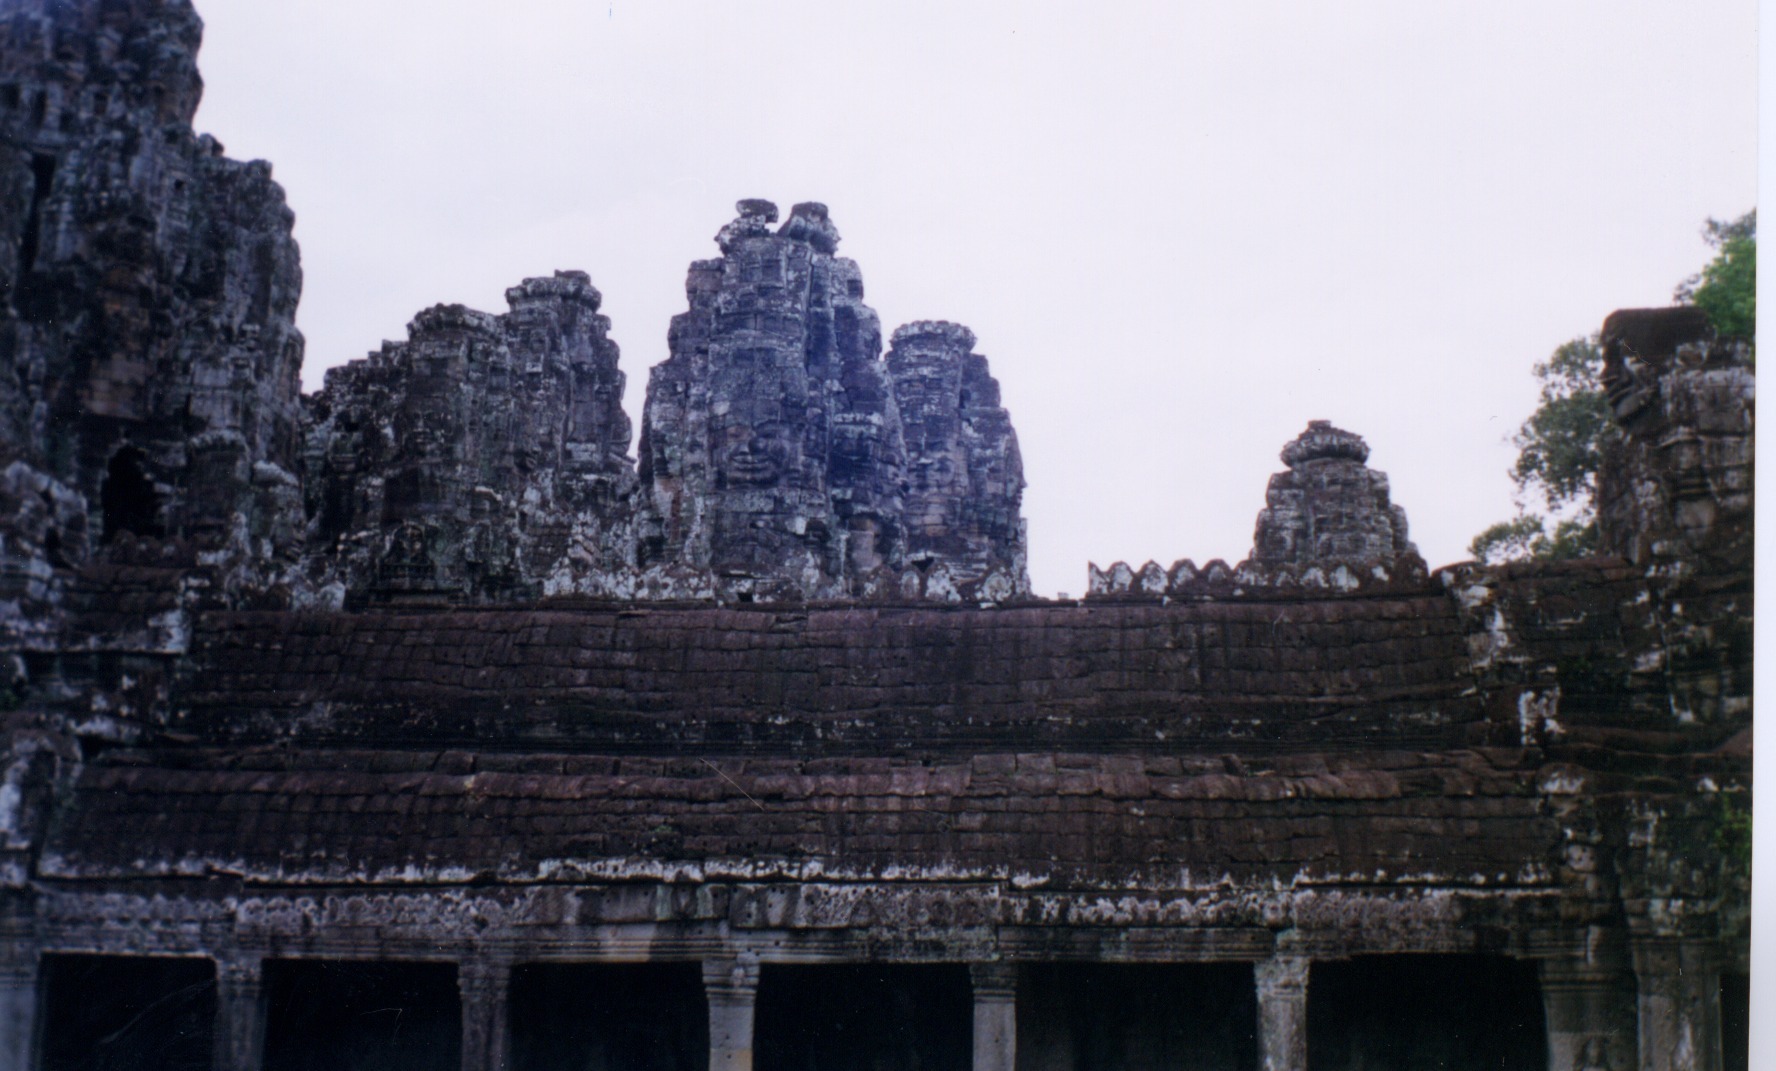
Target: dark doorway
127 1013
1137 1017
609 1017
864 1018
1401 1013
1735 1002
127 497
336 1015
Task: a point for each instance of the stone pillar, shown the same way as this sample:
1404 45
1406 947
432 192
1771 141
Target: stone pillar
1590 1013
732 988
1679 1003
486 1028
18 1009
239 1036
1282 1013
995 1016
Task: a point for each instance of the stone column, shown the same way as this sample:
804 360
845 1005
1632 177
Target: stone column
995 1016
732 988
486 1028
239 1036
1590 1013
1679 999
1282 1013
18 1009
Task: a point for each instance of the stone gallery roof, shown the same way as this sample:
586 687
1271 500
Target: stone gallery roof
1472 818
1323 673
1131 742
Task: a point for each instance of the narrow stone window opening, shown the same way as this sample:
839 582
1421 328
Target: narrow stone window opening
1137 1017
874 1017
615 1016
127 1013
335 1015
127 498
1454 1012
43 169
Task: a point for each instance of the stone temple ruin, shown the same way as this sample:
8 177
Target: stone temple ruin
412 724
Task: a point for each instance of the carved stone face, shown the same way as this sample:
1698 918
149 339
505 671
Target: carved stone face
863 548
748 455
937 485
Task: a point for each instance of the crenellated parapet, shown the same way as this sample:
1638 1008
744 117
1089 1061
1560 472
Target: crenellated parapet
1216 579
1328 526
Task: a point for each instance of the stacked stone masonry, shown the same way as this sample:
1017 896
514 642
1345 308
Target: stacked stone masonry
484 458
418 701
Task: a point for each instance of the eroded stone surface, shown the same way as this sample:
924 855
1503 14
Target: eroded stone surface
1675 493
774 453
1328 525
1680 475
965 475
150 285
771 449
484 459
1329 506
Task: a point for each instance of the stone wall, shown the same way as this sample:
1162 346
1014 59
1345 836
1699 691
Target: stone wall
965 475
771 448
1675 495
782 456
150 288
485 458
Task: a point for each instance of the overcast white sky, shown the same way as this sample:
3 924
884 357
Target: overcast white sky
1179 231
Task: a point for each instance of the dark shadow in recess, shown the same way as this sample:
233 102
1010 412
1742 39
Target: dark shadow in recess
1137 1017
609 1017
1401 1013
337 1015
127 1013
871 1017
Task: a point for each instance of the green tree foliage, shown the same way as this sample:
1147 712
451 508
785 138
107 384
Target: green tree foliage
1560 445
1732 832
1727 288
1558 449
